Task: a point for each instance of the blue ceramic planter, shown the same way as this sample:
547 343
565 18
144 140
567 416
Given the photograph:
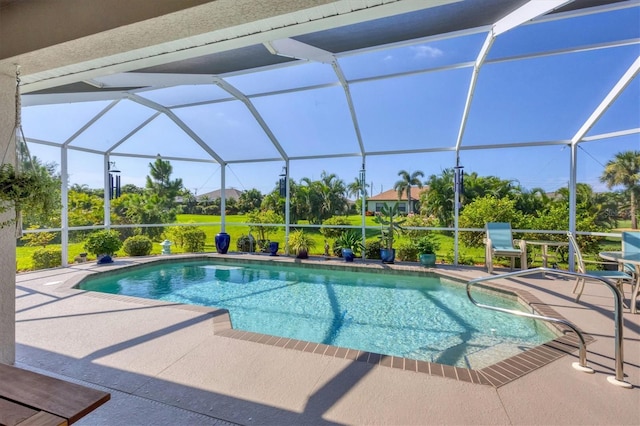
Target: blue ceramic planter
222 242
273 248
428 260
105 258
387 255
348 255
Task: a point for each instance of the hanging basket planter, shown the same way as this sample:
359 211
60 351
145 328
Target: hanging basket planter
24 186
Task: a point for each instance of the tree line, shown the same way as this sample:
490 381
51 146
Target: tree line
485 198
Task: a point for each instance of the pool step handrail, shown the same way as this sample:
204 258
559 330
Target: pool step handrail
618 379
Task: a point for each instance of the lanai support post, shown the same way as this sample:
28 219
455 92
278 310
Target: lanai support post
223 197
64 199
363 193
287 208
8 233
107 190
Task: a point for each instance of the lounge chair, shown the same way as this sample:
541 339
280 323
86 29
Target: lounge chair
630 245
619 277
499 242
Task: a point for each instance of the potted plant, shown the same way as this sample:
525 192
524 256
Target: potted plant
427 247
300 244
26 188
348 245
103 244
390 222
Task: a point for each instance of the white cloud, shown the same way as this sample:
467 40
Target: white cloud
426 52
388 58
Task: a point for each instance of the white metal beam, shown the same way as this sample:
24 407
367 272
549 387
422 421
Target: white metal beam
179 123
613 94
133 132
252 109
525 13
90 122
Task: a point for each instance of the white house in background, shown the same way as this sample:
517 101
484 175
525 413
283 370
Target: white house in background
229 194
375 203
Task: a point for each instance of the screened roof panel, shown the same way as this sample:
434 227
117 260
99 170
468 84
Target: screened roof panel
303 74
416 57
312 122
413 112
57 123
113 126
531 167
162 136
230 130
569 33
623 114
541 99
181 95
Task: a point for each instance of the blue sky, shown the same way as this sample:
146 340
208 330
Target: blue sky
536 99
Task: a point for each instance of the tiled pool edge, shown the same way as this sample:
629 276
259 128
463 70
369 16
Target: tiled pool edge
496 375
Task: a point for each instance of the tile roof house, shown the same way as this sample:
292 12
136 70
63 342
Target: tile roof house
229 193
375 203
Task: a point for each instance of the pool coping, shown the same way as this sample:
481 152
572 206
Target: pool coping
495 375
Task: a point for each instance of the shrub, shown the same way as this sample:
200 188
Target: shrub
246 243
139 245
427 244
194 239
407 251
487 209
48 257
331 233
350 240
372 249
38 239
103 242
176 234
300 242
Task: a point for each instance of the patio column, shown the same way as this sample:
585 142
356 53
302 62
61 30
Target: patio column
223 197
64 196
7 234
287 208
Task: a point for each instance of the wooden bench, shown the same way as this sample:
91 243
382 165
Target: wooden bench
28 398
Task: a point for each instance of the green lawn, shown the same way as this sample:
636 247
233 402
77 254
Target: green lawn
235 230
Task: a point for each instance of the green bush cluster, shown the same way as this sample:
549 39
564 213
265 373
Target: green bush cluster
372 249
194 238
138 245
48 257
103 242
246 243
332 233
406 250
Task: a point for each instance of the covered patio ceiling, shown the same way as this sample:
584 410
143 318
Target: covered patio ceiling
331 60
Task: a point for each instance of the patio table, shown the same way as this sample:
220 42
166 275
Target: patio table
628 258
31 398
545 248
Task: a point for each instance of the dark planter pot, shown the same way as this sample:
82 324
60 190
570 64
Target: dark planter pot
387 255
104 258
348 255
273 248
302 254
428 260
222 242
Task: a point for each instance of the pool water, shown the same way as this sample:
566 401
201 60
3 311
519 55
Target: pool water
423 318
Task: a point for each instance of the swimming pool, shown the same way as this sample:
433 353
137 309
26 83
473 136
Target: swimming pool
416 317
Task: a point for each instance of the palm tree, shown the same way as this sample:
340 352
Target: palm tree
355 188
405 184
438 201
624 170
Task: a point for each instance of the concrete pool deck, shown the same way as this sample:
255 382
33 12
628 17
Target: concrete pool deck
164 364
